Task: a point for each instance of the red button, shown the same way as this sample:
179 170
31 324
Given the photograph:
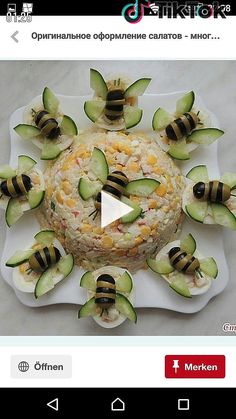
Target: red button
195 366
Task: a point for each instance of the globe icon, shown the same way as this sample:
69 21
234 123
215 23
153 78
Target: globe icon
23 366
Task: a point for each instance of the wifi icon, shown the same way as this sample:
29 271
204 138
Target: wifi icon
154 8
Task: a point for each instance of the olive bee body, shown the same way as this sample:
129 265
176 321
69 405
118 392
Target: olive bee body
213 191
47 124
182 261
182 126
44 258
16 186
105 291
115 186
115 101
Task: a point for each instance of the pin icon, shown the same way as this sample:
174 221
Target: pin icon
175 365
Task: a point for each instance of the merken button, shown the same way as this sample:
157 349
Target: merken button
195 366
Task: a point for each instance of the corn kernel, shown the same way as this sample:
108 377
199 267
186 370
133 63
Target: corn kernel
68 163
127 150
59 198
110 160
23 267
67 187
161 190
119 167
133 167
152 204
98 230
107 242
158 170
70 203
154 225
110 149
86 228
151 159
138 240
145 230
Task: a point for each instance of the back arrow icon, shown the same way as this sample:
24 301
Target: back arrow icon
54 404
13 36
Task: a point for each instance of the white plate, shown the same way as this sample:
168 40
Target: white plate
150 290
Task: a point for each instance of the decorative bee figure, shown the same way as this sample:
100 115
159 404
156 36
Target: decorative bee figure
182 132
49 129
210 201
44 258
21 190
38 269
183 262
114 106
109 296
184 268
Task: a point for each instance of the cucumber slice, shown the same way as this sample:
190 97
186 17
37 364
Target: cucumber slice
99 164
142 187
68 126
45 283
124 283
205 135
198 174
185 103
161 119
124 306
65 265
87 188
132 116
88 282
228 178
137 88
13 211
179 285
209 267
88 309
98 84
50 151
197 211
25 164
161 266
27 132
19 257
48 279
188 244
45 237
223 216
94 109
6 172
179 151
35 198
133 215
50 101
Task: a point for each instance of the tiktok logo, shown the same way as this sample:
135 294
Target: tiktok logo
133 12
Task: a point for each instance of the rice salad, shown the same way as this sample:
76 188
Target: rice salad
124 245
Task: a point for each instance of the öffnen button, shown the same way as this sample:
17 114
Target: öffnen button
195 366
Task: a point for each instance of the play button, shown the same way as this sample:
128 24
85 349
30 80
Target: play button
112 209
